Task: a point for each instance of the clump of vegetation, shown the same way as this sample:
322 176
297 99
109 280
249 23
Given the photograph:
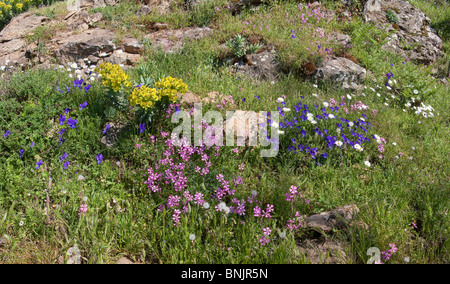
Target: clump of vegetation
391 16
240 46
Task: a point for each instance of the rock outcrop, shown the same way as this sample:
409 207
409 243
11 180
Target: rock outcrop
412 36
342 72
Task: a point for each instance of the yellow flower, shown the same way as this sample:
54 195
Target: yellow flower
144 97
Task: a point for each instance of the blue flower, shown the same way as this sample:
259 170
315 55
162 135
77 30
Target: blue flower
62 118
6 133
86 89
61 140
72 122
66 111
83 105
142 127
31 145
65 155
20 153
39 164
61 132
106 128
66 165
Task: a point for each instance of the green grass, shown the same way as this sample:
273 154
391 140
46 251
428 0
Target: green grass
123 217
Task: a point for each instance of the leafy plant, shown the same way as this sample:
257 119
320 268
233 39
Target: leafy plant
391 16
240 47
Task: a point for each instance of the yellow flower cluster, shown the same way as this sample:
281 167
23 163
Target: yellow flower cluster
167 87
170 87
113 76
9 8
144 96
5 7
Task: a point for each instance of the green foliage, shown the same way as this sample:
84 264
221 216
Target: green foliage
391 16
402 198
241 47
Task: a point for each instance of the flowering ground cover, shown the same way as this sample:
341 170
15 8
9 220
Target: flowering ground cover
155 199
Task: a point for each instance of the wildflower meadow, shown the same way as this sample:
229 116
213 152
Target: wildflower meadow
94 167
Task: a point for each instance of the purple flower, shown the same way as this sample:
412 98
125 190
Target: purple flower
66 165
38 164
99 158
142 127
61 140
62 118
61 132
66 111
31 145
303 132
83 105
106 128
63 156
20 153
86 89
72 122
7 133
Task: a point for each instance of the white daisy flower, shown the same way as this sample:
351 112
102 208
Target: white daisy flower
314 95
325 104
280 132
416 92
367 163
358 147
280 100
221 206
286 109
314 122
338 143
331 116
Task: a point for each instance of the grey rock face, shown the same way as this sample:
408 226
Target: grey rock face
340 71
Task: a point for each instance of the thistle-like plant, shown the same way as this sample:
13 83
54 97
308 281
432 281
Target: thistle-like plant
240 47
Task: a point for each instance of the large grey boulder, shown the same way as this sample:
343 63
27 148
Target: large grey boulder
340 71
259 66
91 42
172 41
13 45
